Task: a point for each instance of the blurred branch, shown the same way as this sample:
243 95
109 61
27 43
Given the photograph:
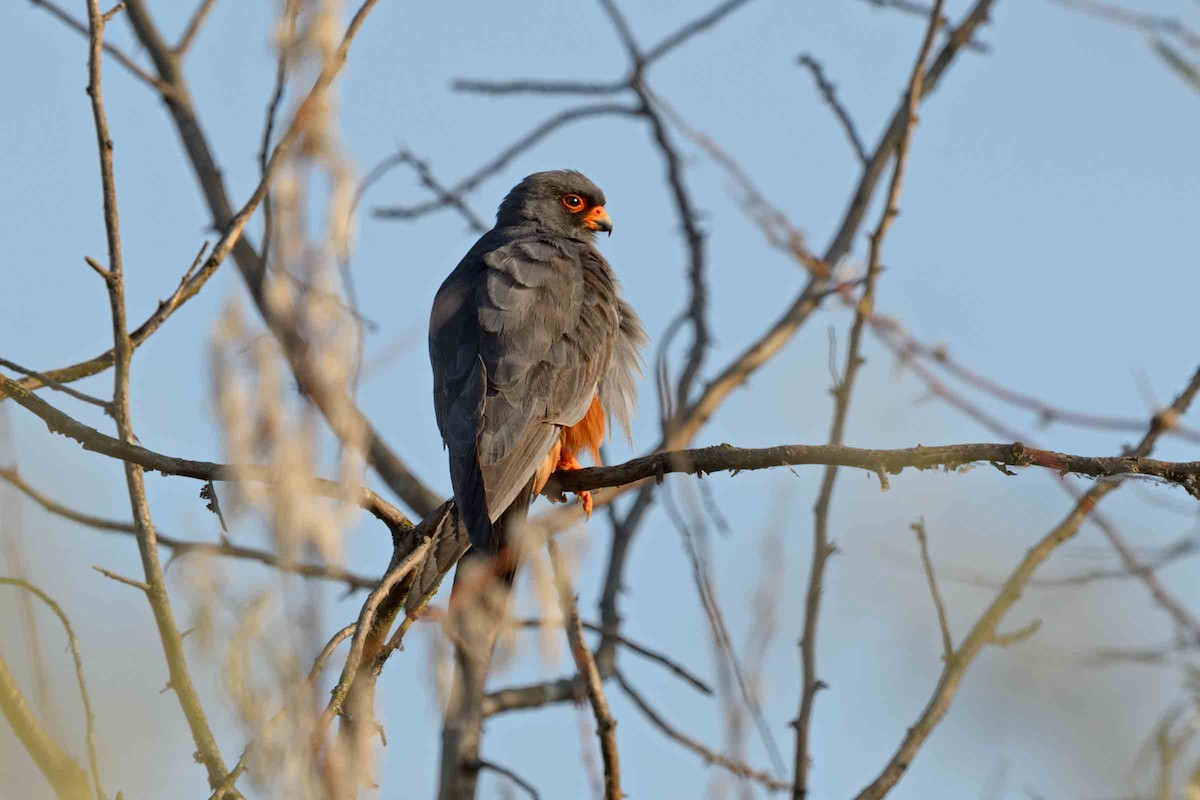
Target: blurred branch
313 674
1151 24
710 756
89 716
481 764
822 548
182 547
285 44
829 94
927 564
64 774
1187 546
921 10
193 26
983 632
586 664
908 347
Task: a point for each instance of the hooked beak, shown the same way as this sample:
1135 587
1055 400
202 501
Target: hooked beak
598 220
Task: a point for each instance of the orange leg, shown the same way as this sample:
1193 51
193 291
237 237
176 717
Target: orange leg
569 461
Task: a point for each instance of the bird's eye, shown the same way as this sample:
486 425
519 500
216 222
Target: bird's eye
572 202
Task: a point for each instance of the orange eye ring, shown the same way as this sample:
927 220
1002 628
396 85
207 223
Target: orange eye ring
573 203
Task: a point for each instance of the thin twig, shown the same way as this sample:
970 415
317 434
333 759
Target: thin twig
140 585
193 26
653 655
829 95
290 12
526 786
918 528
1047 414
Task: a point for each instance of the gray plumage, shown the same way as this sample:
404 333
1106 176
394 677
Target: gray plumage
524 333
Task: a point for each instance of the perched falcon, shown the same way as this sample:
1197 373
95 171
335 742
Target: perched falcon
533 351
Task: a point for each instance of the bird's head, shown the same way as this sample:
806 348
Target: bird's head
563 202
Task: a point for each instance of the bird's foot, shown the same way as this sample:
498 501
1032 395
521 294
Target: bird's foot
585 497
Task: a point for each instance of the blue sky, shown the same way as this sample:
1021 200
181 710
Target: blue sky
1047 237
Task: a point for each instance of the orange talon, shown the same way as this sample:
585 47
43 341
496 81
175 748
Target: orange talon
568 462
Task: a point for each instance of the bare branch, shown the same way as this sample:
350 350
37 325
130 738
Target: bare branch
443 195
586 664
189 286
822 549
726 458
155 589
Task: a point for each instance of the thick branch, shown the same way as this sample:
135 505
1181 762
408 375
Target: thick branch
726 458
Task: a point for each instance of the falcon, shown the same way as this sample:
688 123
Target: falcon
534 353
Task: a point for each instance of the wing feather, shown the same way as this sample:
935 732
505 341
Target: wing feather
538 325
